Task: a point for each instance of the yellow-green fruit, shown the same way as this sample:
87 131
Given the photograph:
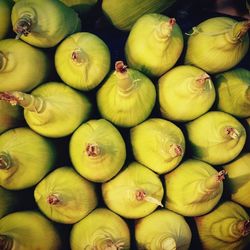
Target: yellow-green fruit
127 97
162 229
233 92
124 14
64 196
97 150
82 60
133 193
52 109
25 158
217 44
28 230
10 116
226 227
8 201
239 179
216 137
34 22
22 66
158 144
101 229
185 93
80 6
64 110
193 188
154 44
5 17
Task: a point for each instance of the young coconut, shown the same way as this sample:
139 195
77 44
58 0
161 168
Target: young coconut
28 230
97 150
216 137
193 188
161 230
64 196
185 93
154 44
226 227
53 109
223 38
127 97
133 193
10 116
33 22
93 232
5 19
22 67
125 14
158 144
239 179
82 60
80 6
233 92
8 201
25 158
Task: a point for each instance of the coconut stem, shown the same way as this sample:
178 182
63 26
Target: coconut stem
78 56
3 61
53 199
5 161
27 101
93 150
213 182
23 26
175 150
124 81
6 242
142 196
231 132
239 30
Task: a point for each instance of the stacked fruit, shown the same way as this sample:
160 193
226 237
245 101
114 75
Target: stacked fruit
139 143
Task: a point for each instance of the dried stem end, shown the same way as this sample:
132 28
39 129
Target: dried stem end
125 82
164 30
175 150
244 227
111 245
221 176
6 242
239 30
243 29
212 183
120 67
79 57
10 98
53 199
201 80
5 161
141 195
3 61
169 244
93 150
27 101
103 239
23 26
231 133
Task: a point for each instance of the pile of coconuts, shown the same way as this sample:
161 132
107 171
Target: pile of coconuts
123 125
